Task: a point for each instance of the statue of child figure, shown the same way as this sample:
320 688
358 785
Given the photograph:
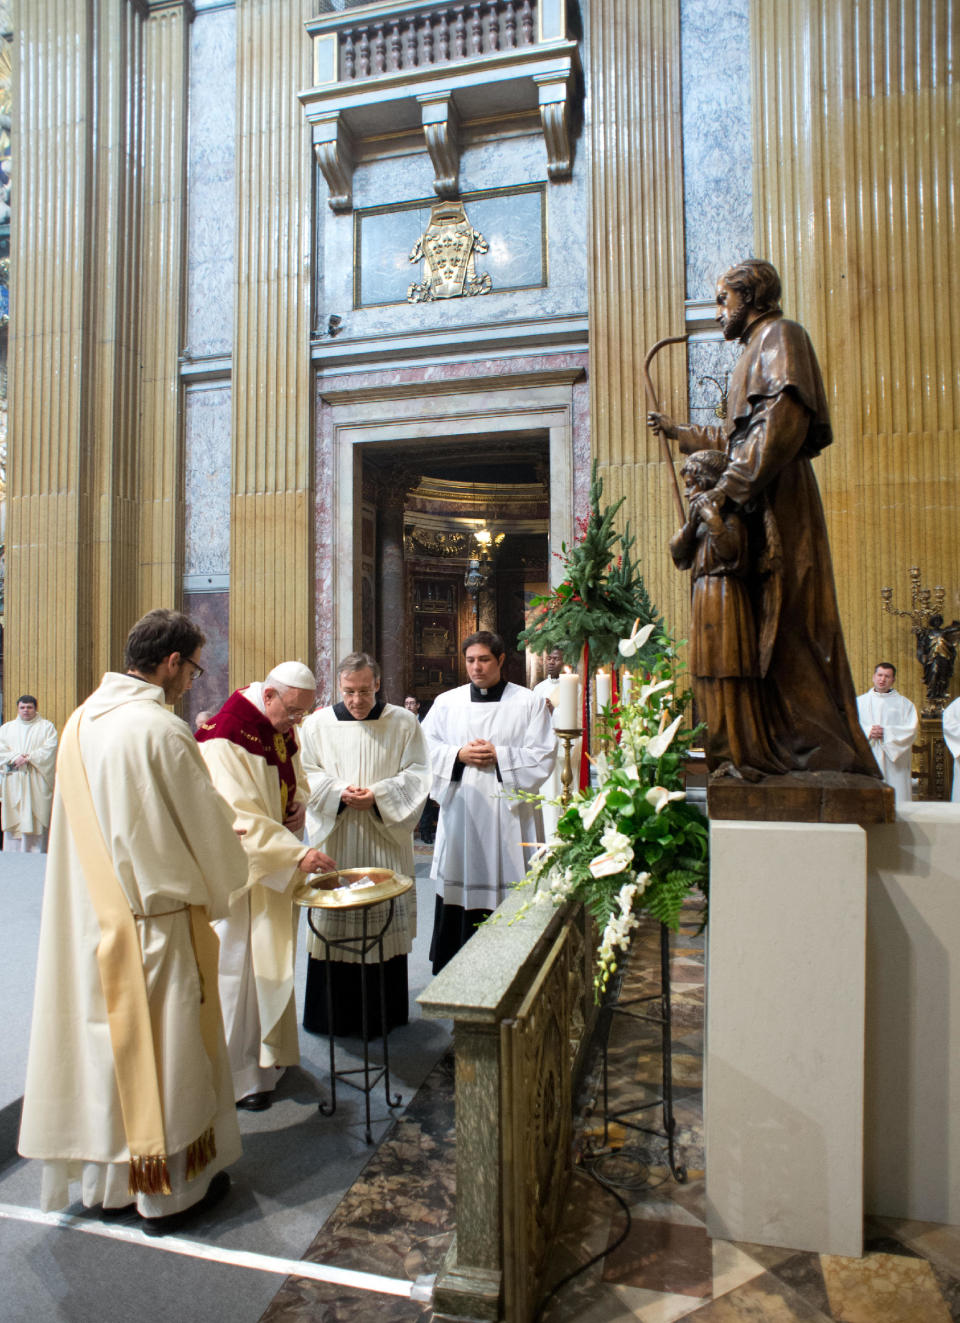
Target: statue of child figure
725 649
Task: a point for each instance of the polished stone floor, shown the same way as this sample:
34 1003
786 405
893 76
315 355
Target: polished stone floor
659 1265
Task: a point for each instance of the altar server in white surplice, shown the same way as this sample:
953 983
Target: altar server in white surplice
486 739
28 754
367 766
552 788
128 1085
890 723
254 759
951 734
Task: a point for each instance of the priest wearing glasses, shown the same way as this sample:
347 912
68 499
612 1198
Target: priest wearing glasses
488 739
367 766
254 759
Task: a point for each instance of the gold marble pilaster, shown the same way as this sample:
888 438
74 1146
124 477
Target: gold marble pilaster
162 304
271 548
856 115
73 521
636 264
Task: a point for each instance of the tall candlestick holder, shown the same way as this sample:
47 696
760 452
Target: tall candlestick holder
568 739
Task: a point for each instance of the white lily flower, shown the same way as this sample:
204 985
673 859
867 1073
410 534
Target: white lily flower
661 743
633 771
610 862
659 797
631 646
648 690
591 811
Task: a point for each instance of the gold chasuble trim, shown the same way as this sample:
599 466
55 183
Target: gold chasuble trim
120 964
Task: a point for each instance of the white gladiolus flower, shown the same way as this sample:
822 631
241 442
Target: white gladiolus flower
615 840
659 797
661 743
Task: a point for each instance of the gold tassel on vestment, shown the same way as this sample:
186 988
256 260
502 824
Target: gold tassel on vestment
200 1153
149 1176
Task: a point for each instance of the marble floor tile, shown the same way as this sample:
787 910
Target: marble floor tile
883 1288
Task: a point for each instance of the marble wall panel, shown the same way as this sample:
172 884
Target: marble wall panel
717 139
706 358
488 165
207 479
211 166
211 613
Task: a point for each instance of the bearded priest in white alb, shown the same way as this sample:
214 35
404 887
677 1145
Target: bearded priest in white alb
28 755
951 735
254 760
128 1087
367 766
487 739
890 723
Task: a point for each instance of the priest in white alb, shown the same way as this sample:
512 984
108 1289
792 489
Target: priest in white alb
951 735
28 754
128 1088
488 740
367 766
890 721
254 759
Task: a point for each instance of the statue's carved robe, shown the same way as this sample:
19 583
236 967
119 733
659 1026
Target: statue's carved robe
777 424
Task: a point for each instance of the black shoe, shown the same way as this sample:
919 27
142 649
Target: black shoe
255 1102
217 1190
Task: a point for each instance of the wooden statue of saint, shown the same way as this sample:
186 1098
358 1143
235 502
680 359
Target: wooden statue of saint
801 713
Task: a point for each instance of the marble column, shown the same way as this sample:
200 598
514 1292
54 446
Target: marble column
636 268
271 547
856 134
73 532
163 305
391 597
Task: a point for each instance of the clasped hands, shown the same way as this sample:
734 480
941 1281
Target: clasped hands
478 753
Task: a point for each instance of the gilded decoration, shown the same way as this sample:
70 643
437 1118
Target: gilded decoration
447 248
432 542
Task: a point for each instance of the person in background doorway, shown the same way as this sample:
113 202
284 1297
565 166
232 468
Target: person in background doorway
28 752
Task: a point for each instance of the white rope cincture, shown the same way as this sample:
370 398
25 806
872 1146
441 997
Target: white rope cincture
421 1289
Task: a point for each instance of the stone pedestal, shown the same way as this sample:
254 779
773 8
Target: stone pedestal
912 1140
785 1035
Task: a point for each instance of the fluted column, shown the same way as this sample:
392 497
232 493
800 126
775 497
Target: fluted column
162 305
636 261
856 142
73 520
271 547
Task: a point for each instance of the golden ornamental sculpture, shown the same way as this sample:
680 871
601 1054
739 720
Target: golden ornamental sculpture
936 642
448 248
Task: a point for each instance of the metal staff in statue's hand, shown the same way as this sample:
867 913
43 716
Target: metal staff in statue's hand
659 422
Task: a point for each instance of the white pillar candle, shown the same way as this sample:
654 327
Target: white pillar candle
626 684
603 689
568 702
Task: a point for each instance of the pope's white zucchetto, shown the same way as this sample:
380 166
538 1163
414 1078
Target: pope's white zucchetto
293 674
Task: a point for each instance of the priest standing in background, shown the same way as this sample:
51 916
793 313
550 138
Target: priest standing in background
28 753
367 766
487 740
128 1086
552 788
889 722
254 759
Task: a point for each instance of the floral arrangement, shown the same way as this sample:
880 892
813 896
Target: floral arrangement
631 842
601 593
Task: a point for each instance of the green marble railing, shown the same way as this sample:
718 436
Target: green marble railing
520 997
